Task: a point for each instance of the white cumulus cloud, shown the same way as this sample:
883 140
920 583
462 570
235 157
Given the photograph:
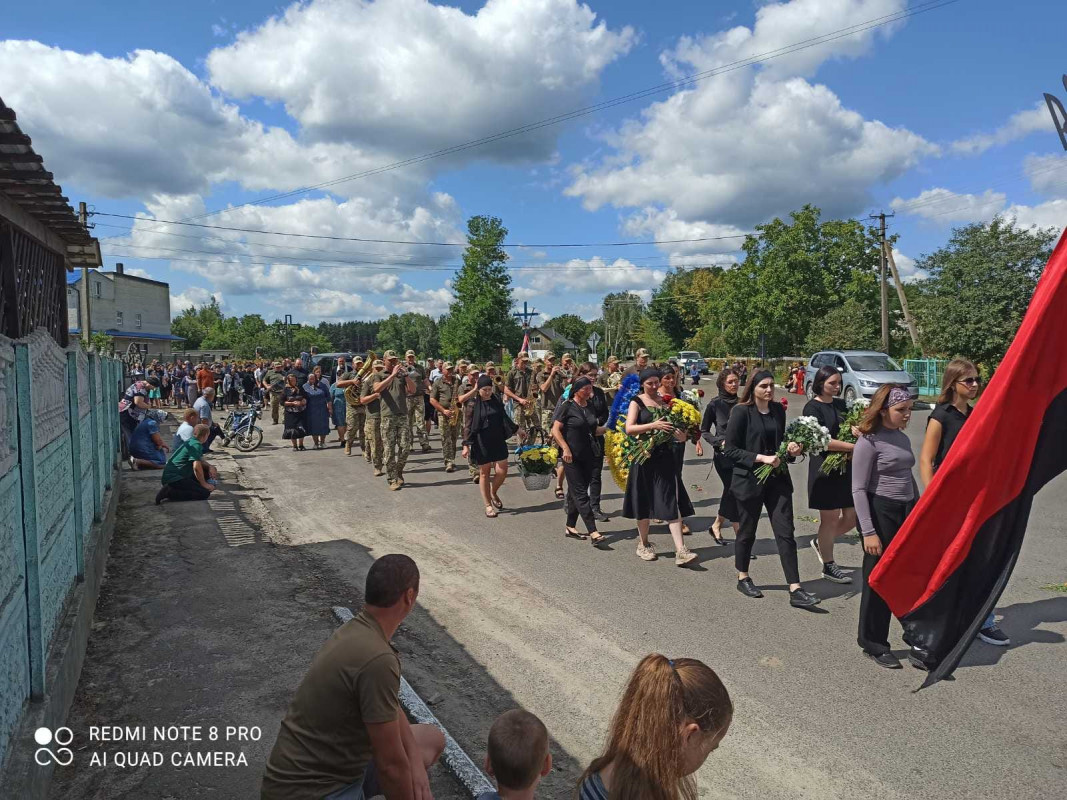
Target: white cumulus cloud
946 207
1020 124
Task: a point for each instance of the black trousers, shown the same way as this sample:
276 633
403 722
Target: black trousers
595 483
578 502
185 489
724 468
777 498
875 616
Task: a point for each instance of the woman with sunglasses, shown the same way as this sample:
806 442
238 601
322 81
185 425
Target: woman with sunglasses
959 386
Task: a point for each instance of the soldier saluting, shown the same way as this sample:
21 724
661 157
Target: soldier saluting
394 388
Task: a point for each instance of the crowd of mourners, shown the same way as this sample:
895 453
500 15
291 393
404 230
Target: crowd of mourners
381 409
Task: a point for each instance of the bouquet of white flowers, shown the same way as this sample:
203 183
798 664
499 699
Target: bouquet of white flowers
805 431
836 462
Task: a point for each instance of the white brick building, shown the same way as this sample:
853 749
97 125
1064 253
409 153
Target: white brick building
126 307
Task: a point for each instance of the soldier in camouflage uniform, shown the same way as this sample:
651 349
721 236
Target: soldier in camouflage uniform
417 403
610 378
444 396
372 433
395 387
550 384
273 383
519 386
355 415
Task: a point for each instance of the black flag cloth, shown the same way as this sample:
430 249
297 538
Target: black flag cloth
945 569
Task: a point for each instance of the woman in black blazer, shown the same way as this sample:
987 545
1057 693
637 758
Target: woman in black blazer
753 436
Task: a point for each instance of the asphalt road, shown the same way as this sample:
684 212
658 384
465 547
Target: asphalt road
556 626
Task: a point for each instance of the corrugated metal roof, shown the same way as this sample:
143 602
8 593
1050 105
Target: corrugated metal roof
25 181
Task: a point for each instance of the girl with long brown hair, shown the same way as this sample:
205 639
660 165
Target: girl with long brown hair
959 386
884 493
672 715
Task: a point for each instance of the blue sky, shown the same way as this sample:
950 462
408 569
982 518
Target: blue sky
172 111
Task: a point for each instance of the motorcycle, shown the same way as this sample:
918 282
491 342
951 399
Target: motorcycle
241 429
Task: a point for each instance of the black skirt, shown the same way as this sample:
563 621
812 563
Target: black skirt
655 490
295 425
828 492
489 446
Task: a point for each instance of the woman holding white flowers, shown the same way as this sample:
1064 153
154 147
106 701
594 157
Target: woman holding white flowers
830 494
653 489
753 437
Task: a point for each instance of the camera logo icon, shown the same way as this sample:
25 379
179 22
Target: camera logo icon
62 755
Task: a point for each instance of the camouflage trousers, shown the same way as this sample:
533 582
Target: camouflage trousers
546 421
275 406
449 434
417 420
396 437
356 421
372 438
527 418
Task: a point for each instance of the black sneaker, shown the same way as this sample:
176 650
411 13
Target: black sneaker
799 598
994 636
832 572
748 588
161 495
600 516
917 658
885 660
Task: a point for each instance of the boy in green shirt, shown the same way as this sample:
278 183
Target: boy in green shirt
187 476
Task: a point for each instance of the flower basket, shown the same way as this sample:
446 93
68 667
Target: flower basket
537 462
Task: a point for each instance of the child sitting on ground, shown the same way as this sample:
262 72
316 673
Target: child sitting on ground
518 755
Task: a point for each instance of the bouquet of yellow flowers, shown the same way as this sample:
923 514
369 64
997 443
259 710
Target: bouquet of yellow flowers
623 450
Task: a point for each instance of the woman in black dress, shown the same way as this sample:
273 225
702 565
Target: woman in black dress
485 441
717 416
295 401
653 489
576 430
830 494
753 436
670 386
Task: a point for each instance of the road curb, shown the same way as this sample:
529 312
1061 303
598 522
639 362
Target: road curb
455 758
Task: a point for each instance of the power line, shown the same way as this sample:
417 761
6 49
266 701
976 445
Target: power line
426 244
681 83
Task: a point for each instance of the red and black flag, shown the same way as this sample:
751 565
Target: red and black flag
949 563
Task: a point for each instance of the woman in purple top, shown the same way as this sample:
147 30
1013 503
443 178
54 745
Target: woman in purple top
884 493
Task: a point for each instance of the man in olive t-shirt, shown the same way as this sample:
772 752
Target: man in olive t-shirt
345 735
373 426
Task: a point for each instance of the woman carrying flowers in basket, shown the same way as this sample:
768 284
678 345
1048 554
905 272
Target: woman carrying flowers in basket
653 488
577 430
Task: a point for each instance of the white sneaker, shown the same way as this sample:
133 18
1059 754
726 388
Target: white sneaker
646 553
815 547
683 557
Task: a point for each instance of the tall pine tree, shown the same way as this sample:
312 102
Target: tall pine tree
479 320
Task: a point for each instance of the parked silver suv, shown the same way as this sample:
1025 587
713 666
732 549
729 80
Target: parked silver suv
862 372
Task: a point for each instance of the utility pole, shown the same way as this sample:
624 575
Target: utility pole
913 331
882 278
83 295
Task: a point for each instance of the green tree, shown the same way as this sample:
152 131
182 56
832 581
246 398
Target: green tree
557 348
194 324
978 288
479 320
792 274
849 326
409 331
649 334
358 336
622 312
572 327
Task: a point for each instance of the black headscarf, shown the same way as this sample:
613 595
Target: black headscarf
762 375
484 380
579 384
649 372
480 412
